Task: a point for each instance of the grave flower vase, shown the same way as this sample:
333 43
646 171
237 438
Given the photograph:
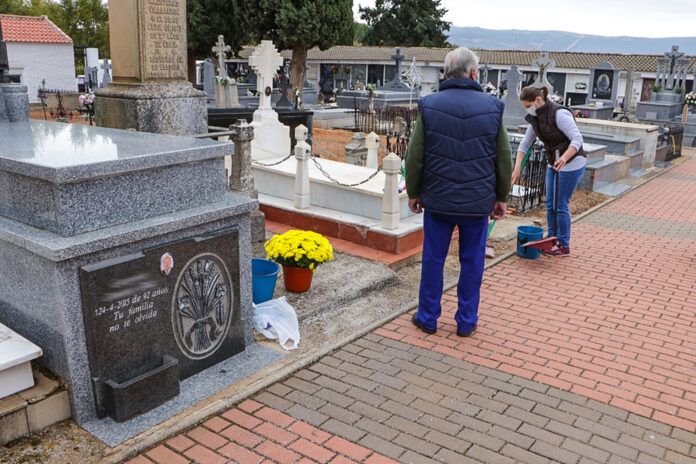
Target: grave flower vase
297 279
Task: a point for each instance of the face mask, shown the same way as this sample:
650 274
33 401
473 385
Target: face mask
532 110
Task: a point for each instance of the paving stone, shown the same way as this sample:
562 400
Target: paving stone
581 411
273 401
385 447
304 414
568 431
370 412
416 444
415 458
515 438
514 400
502 386
554 453
541 434
450 457
376 428
342 414
597 429
553 414
447 441
522 455
528 417
585 450
642 445
538 397
332 384
388 380
310 401
334 398
481 439
667 442
614 447
488 456
436 423
499 419
343 430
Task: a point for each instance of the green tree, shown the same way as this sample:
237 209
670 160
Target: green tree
411 23
86 22
16 7
209 18
361 31
299 25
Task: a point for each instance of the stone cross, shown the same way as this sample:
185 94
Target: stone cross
544 62
221 50
265 62
106 66
398 58
514 79
631 76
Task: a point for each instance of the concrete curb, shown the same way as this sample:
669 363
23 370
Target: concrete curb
164 431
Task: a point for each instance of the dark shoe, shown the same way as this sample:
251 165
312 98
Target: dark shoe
420 325
468 333
558 250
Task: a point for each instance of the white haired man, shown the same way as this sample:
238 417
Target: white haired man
458 171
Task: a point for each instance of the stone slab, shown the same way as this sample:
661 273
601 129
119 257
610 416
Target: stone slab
16 354
194 389
49 411
13 426
63 153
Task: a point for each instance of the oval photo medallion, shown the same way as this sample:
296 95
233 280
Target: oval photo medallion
166 264
202 306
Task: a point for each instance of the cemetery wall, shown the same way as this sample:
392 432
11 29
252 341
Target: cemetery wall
35 62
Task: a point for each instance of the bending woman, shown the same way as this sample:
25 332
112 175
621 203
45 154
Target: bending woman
555 126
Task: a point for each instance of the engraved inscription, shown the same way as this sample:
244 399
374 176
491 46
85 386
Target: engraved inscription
165 39
130 311
202 306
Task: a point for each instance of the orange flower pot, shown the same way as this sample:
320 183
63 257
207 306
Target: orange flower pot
297 279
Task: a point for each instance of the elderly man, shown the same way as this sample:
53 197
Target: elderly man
458 170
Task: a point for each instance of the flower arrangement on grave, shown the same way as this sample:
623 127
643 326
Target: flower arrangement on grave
371 89
556 99
690 99
581 114
679 91
334 70
491 90
87 106
580 86
223 81
657 88
300 252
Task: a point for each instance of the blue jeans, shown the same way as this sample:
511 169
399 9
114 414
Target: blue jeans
437 229
559 224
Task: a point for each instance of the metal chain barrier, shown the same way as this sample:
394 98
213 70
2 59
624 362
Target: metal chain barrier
337 182
267 165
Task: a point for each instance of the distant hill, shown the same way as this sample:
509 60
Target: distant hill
557 41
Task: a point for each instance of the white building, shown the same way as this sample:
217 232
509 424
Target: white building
38 50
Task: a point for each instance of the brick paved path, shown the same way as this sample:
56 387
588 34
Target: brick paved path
587 359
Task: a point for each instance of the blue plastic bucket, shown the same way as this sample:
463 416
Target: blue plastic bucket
264 274
526 234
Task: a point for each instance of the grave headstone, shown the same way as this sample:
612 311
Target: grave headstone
396 84
106 73
604 84
514 110
667 100
221 50
356 150
272 139
150 91
544 62
209 81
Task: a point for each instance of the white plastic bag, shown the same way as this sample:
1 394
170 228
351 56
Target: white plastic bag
276 319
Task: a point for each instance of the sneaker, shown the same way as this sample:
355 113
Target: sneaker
558 250
421 326
468 333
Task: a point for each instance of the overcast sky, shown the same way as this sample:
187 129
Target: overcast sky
635 18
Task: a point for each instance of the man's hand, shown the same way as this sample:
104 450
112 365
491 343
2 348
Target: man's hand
500 210
414 204
560 164
516 176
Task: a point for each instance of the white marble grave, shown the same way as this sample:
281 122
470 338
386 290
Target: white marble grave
271 137
16 354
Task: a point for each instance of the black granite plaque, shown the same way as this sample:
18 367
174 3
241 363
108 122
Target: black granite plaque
603 85
178 301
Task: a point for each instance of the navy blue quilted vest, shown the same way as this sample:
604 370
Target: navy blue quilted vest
461 129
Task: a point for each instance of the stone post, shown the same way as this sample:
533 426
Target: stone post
356 151
302 154
241 177
391 206
372 144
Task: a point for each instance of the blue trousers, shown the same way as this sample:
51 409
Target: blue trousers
559 224
437 229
